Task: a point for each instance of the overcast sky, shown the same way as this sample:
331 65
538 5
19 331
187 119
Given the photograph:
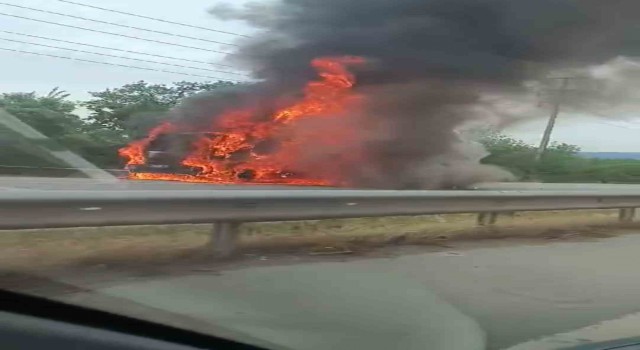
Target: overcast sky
20 72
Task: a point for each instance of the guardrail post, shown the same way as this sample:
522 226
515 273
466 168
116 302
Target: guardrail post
224 238
627 214
489 218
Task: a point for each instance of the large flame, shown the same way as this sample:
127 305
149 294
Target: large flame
135 152
228 153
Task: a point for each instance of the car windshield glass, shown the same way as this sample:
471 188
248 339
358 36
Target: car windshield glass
336 174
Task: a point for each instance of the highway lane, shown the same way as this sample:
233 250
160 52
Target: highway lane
71 184
302 308
45 183
515 293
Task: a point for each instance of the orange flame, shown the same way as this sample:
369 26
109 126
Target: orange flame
326 96
228 155
135 151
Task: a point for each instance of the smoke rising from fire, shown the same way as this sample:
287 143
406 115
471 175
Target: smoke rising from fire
432 67
437 65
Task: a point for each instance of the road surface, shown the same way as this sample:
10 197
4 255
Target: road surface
45 183
515 292
69 184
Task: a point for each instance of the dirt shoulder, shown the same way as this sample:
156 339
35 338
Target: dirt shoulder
63 261
154 246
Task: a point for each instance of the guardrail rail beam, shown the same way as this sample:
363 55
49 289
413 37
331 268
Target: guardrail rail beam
33 209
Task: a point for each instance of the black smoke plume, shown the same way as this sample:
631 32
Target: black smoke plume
433 67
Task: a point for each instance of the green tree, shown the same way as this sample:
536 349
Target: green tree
511 154
560 160
53 115
560 163
115 108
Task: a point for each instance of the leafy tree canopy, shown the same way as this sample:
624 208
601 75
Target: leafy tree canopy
115 108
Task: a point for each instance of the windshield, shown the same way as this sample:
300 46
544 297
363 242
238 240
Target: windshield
440 174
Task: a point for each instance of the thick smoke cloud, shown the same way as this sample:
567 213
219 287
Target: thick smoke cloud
416 39
435 66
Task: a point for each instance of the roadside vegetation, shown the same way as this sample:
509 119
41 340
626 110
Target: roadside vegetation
152 246
96 129
560 163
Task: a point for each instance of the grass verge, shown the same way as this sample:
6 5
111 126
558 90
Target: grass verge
148 245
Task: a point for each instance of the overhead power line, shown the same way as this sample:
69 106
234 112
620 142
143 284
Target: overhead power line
154 19
115 34
114 64
115 24
116 49
121 57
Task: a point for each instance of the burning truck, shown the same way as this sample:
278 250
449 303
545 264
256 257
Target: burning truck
165 157
165 153
243 145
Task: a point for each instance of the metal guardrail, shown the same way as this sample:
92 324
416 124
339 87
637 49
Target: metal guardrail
38 209
537 186
22 209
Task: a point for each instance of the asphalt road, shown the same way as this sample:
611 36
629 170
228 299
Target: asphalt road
515 292
44 183
69 184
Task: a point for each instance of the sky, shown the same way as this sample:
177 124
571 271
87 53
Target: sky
21 72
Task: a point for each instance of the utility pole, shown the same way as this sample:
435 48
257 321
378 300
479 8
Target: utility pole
557 98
